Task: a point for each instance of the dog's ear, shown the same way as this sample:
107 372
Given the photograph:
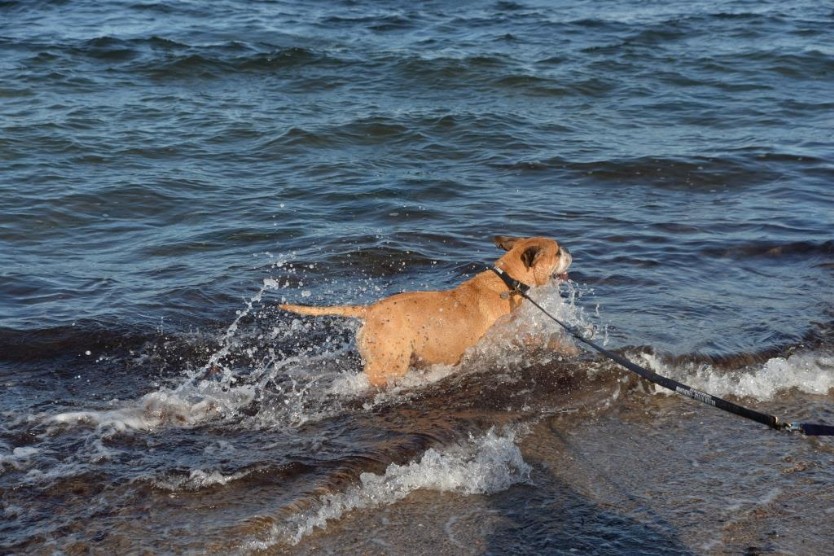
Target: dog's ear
530 256
505 242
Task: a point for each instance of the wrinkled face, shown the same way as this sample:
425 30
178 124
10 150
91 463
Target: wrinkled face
534 260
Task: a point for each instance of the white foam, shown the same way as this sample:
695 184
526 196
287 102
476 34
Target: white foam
198 479
163 407
350 384
18 459
484 465
809 372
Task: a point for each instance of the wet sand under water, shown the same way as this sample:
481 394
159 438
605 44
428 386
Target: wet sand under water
668 477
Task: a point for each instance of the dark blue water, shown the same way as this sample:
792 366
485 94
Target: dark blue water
170 171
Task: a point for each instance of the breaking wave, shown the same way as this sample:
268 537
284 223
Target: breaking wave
808 372
484 465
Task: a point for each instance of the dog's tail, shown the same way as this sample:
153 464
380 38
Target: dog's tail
352 311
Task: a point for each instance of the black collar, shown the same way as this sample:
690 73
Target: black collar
512 283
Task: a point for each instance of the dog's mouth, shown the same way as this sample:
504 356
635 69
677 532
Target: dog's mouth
561 276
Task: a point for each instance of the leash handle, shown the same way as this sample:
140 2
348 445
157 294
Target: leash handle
808 429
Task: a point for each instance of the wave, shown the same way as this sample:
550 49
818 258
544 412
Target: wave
226 60
691 173
162 58
160 409
198 479
823 250
77 339
806 372
486 464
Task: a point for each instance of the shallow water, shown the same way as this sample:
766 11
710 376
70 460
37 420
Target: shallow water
171 171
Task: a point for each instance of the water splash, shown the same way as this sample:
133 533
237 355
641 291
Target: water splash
284 386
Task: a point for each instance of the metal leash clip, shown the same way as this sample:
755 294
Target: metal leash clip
792 427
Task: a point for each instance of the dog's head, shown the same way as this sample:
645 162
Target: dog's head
533 260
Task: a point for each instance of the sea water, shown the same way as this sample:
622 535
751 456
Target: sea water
171 171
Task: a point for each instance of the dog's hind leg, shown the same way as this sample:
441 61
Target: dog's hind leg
383 361
383 367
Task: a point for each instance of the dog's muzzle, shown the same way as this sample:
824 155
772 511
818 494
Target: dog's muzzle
561 272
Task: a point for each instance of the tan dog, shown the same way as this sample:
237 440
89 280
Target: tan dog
426 328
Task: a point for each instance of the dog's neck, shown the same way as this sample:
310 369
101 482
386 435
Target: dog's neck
491 281
514 286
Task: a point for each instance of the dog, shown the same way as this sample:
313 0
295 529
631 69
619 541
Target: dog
436 327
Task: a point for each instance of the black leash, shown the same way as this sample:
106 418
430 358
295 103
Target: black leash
809 429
